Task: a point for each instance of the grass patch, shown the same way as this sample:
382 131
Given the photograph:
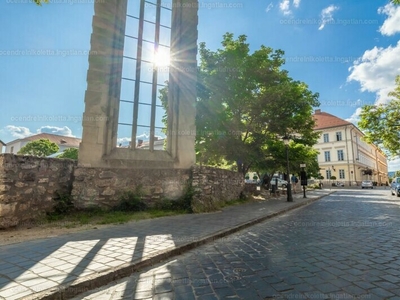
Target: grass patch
103 217
130 207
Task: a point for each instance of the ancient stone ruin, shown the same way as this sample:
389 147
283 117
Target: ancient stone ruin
130 43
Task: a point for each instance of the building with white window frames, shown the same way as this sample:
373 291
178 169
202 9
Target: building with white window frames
343 153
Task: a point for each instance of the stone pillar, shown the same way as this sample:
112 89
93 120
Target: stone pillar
182 83
103 82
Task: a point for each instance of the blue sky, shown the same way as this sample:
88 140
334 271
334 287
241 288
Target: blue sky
347 51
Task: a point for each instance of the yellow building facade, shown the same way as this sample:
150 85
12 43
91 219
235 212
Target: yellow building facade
344 154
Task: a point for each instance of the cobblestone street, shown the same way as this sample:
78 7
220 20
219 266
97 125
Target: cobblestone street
345 246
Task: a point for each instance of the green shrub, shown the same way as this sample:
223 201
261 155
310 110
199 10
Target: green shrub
166 204
131 201
63 204
184 203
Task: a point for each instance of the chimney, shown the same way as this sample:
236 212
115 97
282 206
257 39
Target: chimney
317 111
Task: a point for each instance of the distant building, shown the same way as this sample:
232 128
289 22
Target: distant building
158 144
2 144
343 153
63 142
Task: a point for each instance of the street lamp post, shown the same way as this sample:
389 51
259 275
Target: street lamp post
289 187
303 177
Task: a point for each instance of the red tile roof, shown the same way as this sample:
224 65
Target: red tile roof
325 120
58 139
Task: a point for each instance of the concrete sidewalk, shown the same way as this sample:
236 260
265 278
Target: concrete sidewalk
68 265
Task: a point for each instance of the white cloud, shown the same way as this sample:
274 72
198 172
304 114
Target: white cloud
18 132
355 117
21 132
376 71
391 25
284 6
143 136
124 142
269 7
326 15
296 3
56 130
394 164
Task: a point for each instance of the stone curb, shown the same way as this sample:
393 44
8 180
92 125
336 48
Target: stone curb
92 282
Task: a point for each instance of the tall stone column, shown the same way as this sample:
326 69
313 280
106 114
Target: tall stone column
182 83
103 82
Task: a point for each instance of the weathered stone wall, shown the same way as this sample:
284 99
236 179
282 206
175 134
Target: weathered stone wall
103 187
213 187
29 184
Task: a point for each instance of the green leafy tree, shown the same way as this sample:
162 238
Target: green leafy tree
246 102
39 2
381 123
71 153
396 2
42 147
298 154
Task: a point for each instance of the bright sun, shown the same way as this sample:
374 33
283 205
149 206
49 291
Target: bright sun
161 58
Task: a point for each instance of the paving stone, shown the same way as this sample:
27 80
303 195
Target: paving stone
365 285
327 288
204 290
179 296
391 278
271 259
207 297
386 285
281 287
355 290
381 293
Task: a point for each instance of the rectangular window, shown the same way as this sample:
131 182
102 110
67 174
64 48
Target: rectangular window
327 156
145 68
12 149
326 137
341 174
328 174
340 155
338 136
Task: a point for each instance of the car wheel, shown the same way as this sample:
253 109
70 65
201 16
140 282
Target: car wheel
398 194
362 187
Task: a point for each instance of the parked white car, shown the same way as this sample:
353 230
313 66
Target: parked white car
281 183
367 184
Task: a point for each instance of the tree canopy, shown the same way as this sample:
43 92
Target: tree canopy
39 2
42 147
71 153
247 103
381 123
